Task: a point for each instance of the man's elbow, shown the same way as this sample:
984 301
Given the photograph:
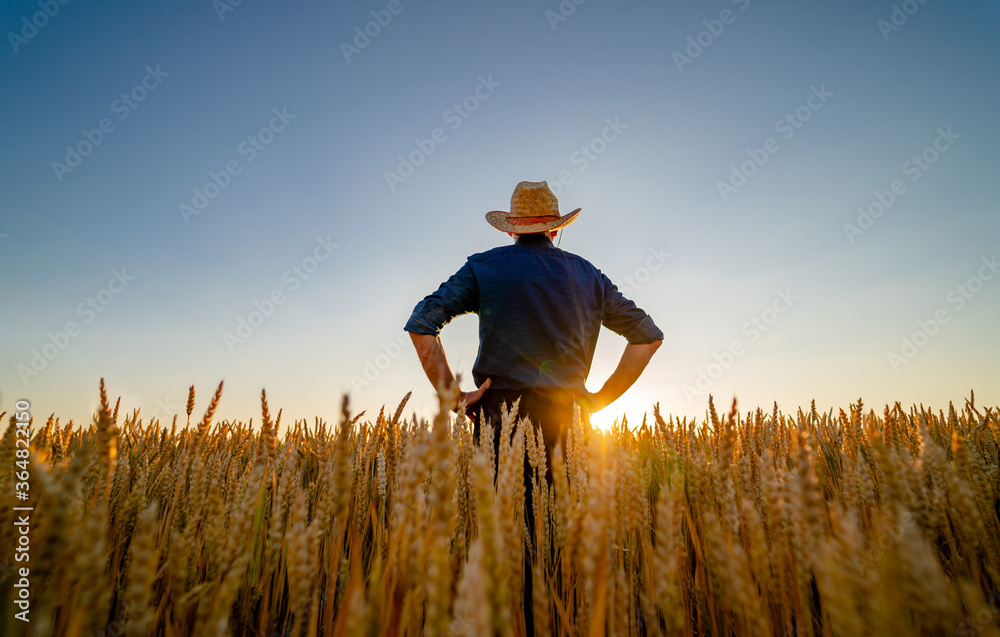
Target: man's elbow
645 350
417 338
422 341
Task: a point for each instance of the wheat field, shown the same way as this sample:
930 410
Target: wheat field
819 524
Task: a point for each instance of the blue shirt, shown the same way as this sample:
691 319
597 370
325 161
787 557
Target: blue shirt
540 311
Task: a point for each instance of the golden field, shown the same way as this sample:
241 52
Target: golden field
854 523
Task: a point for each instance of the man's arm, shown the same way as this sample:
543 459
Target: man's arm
634 360
435 364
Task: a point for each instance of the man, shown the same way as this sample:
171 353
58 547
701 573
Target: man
540 311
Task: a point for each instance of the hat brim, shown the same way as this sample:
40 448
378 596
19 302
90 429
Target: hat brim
498 219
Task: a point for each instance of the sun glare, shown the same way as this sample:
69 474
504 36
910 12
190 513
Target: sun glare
632 409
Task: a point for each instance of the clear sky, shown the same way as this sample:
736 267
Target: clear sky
801 194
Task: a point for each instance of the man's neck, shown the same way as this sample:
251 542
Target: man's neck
533 239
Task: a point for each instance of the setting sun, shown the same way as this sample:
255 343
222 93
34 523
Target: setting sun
632 407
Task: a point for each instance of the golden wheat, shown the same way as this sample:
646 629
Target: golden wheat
742 524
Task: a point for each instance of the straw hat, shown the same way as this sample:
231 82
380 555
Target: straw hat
533 208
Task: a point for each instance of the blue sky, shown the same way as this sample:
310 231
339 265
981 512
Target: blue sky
717 149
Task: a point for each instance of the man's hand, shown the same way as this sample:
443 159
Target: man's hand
435 364
593 402
470 398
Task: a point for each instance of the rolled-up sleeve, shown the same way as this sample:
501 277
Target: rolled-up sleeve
457 296
622 316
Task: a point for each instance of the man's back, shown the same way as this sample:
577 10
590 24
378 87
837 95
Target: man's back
540 313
